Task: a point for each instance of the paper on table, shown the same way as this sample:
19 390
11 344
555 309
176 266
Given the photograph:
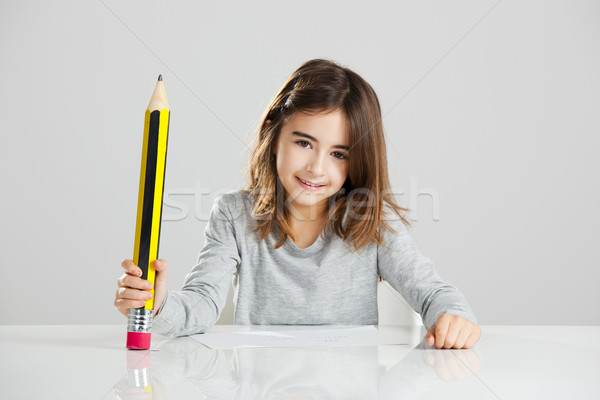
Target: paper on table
360 336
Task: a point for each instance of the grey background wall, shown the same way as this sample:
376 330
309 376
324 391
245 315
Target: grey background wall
490 111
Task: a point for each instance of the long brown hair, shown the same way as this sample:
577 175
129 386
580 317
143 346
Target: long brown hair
321 85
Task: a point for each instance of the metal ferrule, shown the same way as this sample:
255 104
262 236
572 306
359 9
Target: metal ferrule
139 320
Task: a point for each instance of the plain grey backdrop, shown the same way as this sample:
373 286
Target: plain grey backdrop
491 111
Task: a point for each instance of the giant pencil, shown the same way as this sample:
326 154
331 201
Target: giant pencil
149 210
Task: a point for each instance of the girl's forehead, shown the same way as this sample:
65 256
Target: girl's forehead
321 125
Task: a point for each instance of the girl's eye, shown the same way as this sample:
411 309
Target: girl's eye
336 154
303 143
339 155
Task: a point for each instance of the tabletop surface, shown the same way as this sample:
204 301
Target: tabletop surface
91 362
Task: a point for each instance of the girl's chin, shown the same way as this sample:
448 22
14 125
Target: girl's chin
314 196
313 201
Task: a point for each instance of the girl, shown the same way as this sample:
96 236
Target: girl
315 228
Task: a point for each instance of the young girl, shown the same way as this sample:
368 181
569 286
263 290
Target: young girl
313 231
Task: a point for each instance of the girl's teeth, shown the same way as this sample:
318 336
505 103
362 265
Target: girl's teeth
309 184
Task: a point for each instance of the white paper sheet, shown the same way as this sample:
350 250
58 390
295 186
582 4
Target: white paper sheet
359 336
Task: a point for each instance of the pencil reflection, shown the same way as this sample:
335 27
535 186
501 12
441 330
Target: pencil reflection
183 365
138 383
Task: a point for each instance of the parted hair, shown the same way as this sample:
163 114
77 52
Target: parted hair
322 86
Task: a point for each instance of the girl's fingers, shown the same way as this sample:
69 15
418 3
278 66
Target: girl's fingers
430 336
441 329
161 265
133 294
461 339
130 267
161 272
125 304
457 328
473 338
134 282
132 290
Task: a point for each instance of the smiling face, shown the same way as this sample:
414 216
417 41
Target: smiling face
312 161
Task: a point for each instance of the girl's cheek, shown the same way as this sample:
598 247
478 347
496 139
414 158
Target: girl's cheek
343 171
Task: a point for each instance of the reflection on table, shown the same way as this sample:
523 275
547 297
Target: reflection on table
185 366
91 362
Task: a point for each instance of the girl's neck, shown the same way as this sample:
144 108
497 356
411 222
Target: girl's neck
306 215
306 227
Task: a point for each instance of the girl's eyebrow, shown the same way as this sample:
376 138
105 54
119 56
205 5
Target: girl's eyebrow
305 135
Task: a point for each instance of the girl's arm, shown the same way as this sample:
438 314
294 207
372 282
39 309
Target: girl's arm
197 306
414 276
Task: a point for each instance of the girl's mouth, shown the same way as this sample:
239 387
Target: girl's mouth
308 185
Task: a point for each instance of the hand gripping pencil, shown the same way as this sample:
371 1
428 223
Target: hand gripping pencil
149 210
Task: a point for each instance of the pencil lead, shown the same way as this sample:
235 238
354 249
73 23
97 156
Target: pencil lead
160 77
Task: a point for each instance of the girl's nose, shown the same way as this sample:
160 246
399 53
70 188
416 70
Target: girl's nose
316 164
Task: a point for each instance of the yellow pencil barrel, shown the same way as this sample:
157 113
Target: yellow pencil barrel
150 197
149 208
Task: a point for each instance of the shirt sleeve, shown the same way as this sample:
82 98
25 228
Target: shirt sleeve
197 306
414 276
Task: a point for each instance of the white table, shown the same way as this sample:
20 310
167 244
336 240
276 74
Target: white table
91 362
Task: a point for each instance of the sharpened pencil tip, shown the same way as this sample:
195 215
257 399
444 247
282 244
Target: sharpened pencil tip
160 77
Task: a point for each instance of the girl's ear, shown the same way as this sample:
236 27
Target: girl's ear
268 121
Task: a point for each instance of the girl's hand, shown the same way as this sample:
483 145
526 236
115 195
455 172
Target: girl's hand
133 290
451 331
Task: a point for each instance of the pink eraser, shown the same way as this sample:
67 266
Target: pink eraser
138 340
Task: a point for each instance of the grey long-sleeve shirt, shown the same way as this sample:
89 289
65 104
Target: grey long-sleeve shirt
325 283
